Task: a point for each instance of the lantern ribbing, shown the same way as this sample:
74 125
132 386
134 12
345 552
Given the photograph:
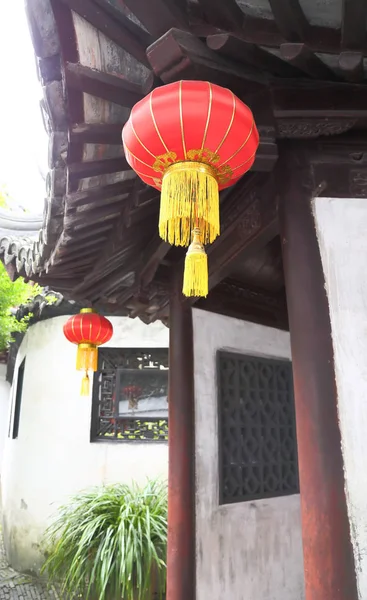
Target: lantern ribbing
190 139
87 330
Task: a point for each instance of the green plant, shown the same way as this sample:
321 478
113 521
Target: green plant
110 543
12 294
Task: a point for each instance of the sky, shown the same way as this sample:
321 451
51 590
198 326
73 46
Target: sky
23 141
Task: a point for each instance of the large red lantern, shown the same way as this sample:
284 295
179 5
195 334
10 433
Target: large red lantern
190 139
88 330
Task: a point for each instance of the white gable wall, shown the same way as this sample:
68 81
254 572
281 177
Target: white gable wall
248 550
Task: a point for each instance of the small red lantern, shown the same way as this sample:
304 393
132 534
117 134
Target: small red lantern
88 330
190 139
132 393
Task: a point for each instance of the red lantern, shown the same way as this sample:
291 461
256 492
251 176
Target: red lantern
190 139
88 330
132 393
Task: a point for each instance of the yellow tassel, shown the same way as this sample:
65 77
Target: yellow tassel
189 197
87 357
195 281
85 385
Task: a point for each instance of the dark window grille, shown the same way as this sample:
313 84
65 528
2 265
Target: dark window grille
130 395
257 434
18 400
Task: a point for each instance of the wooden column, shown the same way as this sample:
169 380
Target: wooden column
181 482
328 556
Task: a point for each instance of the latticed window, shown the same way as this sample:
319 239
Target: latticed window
130 395
257 435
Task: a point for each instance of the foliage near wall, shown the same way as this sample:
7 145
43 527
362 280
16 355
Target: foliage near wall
12 294
110 543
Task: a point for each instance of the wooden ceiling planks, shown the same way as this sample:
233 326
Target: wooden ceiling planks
106 18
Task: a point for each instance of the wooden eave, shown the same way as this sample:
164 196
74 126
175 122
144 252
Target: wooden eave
301 71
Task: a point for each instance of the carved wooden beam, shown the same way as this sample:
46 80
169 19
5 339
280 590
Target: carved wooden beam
92 168
238 50
313 127
97 133
310 99
104 85
300 56
158 16
248 220
234 299
290 19
340 166
181 55
117 30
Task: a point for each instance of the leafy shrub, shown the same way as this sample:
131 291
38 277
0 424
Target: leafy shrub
110 543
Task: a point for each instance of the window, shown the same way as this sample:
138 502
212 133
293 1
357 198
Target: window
18 400
257 435
130 395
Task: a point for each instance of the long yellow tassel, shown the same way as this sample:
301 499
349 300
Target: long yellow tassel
86 360
85 385
189 197
87 357
195 281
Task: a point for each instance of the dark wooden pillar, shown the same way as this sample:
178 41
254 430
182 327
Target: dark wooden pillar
328 555
181 482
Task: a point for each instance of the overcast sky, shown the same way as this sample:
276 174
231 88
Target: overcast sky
23 141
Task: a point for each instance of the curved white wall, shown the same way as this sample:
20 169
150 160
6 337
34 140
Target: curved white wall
52 456
4 410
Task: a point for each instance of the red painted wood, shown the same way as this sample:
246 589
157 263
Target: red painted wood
328 555
181 482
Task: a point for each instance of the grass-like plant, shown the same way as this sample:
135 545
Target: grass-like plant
110 543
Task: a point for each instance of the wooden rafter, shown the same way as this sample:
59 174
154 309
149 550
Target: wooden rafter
91 168
160 15
151 259
226 15
300 56
351 65
99 194
180 55
354 14
97 133
110 87
242 52
290 19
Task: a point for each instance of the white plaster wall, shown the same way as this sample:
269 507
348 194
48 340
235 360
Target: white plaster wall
4 410
249 550
341 225
52 456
